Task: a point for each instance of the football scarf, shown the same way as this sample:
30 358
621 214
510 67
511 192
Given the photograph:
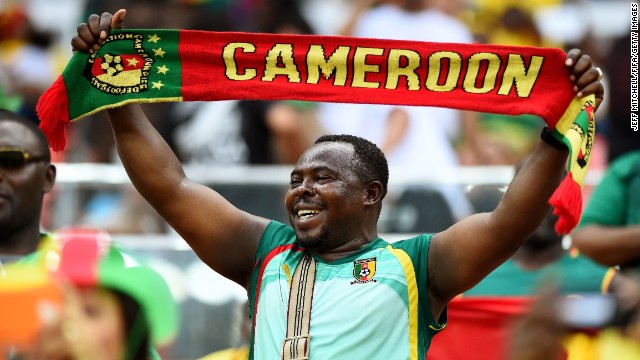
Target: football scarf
151 65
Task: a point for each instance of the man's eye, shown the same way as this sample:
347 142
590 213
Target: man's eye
294 182
92 311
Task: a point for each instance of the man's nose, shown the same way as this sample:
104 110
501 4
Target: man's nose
306 188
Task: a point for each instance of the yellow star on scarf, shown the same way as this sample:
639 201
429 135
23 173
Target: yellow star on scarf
132 62
156 84
163 70
154 38
159 52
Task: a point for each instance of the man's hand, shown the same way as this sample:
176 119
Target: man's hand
585 77
92 34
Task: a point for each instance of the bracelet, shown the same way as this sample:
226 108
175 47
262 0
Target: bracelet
548 137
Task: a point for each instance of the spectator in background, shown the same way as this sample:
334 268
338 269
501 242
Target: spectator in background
612 210
503 295
507 22
29 59
540 333
12 19
408 135
609 231
26 175
543 256
279 131
113 307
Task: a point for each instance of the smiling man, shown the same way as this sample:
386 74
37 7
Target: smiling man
26 174
326 286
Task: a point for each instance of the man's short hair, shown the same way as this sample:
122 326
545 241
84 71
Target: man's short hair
43 144
371 164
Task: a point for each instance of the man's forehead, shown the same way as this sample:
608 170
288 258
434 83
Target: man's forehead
327 152
15 134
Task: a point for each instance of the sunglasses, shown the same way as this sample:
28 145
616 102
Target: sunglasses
12 158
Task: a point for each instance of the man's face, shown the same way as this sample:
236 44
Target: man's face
325 201
100 316
21 189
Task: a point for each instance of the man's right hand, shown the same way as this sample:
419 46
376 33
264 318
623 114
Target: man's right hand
226 241
92 34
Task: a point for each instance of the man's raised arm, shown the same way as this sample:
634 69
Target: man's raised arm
464 254
224 237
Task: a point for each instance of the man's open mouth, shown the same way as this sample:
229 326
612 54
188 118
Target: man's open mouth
307 214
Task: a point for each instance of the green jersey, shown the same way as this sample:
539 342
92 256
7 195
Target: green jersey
615 202
370 305
616 199
576 274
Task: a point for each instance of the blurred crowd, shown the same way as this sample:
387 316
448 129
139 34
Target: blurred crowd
34 51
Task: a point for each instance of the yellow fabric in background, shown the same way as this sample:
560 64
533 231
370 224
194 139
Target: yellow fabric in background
484 17
610 344
241 353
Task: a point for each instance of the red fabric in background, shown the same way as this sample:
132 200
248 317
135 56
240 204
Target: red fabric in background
477 328
80 257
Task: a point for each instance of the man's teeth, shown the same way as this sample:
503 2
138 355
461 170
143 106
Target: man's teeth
305 214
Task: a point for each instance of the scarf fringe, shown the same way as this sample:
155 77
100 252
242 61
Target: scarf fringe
567 204
53 111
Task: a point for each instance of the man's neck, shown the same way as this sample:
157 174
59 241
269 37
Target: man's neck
347 248
21 243
530 258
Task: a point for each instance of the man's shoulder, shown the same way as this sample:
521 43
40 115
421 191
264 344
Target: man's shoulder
414 245
407 239
276 234
46 245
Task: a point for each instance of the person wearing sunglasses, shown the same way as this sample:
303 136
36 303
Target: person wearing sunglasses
26 174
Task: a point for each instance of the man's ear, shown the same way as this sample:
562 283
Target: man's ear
50 178
374 193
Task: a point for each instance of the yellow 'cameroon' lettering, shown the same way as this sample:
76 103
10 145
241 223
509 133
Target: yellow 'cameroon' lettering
473 69
271 70
361 68
231 68
516 74
336 64
394 70
435 61
443 73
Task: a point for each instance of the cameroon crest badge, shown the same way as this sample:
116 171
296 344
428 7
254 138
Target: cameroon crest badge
122 72
364 270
